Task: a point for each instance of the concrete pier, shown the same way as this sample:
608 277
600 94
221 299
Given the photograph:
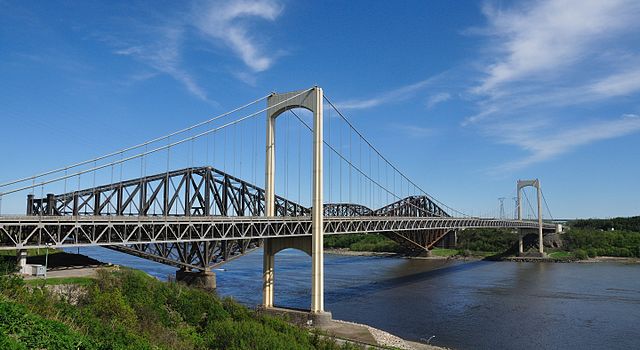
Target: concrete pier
201 279
22 261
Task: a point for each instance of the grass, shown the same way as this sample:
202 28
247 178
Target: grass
482 254
30 252
82 281
444 252
560 255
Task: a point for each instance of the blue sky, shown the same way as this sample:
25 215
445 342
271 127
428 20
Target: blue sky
464 97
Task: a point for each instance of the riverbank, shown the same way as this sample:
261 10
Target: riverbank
492 256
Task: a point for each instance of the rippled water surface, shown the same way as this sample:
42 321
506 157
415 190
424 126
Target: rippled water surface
466 305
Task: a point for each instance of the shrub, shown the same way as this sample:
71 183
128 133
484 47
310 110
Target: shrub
128 309
486 240
580 254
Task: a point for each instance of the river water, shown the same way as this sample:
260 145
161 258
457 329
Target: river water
465 305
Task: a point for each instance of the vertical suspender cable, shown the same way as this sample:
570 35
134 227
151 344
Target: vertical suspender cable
300 167
328 153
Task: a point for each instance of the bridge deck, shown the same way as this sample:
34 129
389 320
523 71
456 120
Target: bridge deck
72 231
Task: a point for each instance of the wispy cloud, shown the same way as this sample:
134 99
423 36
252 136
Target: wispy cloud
438 98
397 95
414 131
547 66
164 55
540 39
618 84
543 146
161 45
226 21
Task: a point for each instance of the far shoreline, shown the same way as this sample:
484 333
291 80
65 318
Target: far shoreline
599 259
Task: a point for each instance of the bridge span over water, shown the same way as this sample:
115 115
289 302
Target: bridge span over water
196 218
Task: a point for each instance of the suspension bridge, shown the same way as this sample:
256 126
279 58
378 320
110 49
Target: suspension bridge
199 197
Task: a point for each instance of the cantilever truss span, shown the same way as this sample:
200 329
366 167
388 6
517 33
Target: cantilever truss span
201 217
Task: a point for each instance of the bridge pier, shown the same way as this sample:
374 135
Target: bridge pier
268 262
203 279
520 243
22 261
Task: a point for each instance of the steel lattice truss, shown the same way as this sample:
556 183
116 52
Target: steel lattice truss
201 217
67 231
201 191
417 241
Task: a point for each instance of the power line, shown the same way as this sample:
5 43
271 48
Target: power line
501 199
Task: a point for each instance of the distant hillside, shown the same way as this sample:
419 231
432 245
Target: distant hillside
619 224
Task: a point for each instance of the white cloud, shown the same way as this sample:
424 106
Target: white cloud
542 145
542 38
618 84
547 66
398 95
414 131
164 55
438 98
226 21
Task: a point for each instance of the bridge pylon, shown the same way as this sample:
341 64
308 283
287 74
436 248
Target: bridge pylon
311 100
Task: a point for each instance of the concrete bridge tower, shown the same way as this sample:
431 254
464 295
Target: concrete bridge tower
311 100
534 183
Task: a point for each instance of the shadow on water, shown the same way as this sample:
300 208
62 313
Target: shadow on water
339 294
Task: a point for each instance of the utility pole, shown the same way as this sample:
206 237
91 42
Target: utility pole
501 199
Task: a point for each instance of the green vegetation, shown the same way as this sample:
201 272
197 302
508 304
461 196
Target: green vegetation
30 252
487 240
127 309
561 255
591 243
481 242
362 243
619 224
444 252
81 281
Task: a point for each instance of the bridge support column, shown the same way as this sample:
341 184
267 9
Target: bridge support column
268 262
22 261
520 243
204 279
540 239
317 229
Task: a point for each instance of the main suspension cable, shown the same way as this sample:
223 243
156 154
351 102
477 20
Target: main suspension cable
139 155
146 143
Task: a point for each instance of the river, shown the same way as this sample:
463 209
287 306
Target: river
465 305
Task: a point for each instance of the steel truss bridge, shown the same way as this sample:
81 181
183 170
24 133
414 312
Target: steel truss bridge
201 217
